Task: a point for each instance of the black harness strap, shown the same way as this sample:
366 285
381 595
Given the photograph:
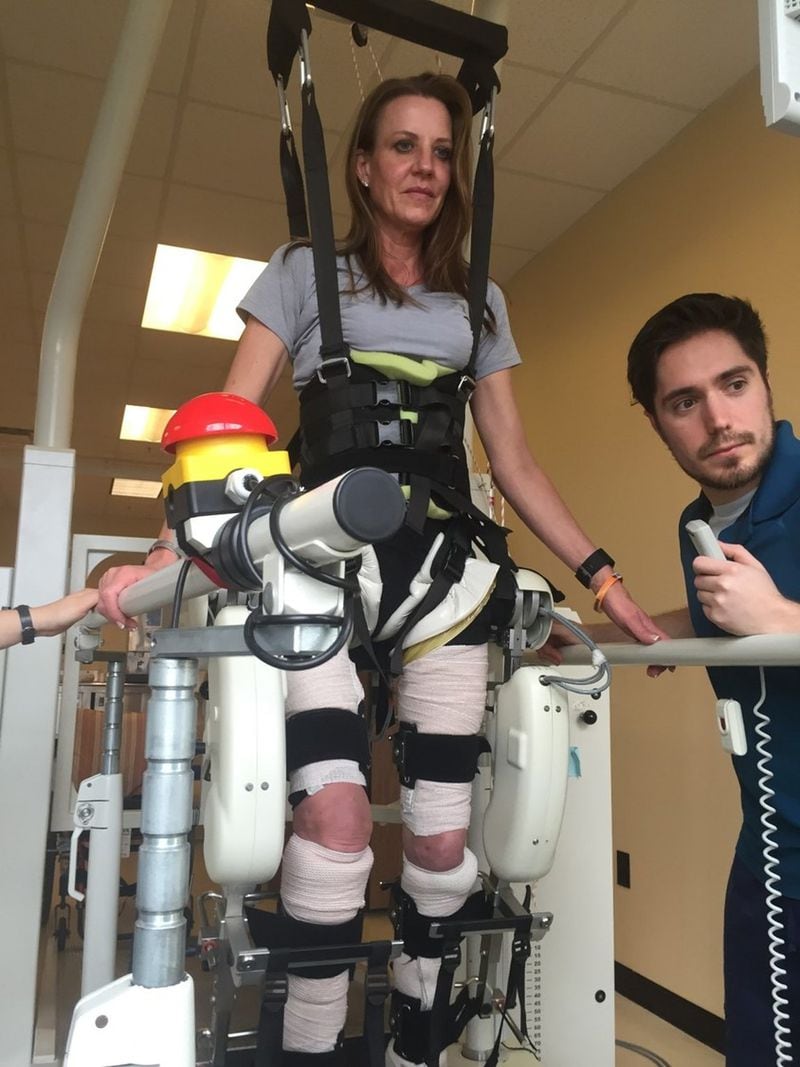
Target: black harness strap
326 733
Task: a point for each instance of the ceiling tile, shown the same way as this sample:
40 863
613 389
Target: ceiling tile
54 34
126 261
230 65
47 187
10 246
522 92
136 211
183 349
8 201
221 222
227 150
662 50
531 212
506 262
52 111
43 244
593 137
553 34
51 33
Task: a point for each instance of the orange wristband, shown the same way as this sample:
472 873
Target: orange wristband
602 592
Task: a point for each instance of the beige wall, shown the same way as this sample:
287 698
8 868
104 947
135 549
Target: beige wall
716 210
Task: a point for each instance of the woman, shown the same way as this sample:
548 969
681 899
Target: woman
403 289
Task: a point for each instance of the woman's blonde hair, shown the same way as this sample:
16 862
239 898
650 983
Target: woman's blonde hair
445 269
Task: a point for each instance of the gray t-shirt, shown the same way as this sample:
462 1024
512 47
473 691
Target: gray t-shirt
284 298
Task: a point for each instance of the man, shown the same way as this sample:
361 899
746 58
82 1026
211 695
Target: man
698 367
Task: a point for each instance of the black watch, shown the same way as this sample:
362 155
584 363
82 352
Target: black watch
26 622
592 564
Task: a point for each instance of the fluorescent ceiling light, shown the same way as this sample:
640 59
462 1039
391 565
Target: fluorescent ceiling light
144 424
133 487
197 292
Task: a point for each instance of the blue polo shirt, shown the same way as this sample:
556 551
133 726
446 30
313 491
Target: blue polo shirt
770 529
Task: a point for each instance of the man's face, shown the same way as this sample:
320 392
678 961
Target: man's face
713 411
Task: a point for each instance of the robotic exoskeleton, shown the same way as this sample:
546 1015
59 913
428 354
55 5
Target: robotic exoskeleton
390 421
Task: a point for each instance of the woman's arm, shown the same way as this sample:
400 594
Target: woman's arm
537 502
258 363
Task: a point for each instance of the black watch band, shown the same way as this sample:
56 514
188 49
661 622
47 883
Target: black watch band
28 629
592 564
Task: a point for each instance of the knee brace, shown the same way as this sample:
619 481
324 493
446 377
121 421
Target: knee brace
422 1020
326 739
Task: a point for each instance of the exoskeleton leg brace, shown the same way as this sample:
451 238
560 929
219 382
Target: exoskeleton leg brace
441 703
322 890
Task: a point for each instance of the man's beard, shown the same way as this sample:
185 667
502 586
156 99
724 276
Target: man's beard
736 476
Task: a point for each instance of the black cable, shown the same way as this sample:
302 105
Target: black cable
350 585
305 660
178 597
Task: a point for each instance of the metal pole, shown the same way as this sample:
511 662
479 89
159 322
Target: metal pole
758 650
91 214
102 885
160 932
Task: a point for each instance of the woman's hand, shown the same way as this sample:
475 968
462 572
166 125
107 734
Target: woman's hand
117 579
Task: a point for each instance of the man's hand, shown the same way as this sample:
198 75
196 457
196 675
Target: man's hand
738 595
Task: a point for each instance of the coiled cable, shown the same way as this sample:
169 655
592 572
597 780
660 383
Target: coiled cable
777 958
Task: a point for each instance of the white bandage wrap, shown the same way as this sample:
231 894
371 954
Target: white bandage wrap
443 693
320 885
315 776
315 1012
333 684
436 807
439 893
416 977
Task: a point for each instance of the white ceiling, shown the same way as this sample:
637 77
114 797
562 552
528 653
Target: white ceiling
591 90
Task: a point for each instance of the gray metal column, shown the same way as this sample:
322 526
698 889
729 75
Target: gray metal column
159 937
102 886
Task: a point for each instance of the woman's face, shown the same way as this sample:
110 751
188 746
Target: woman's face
408 171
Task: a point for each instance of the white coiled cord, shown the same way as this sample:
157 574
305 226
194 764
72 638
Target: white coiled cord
777 959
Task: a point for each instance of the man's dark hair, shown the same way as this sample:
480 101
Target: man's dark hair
687 317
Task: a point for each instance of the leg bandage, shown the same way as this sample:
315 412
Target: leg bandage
435 893
442 693
416 972
321 886
333 684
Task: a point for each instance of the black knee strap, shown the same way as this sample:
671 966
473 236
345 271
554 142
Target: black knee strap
436 757
335 1058
413 929
277 930
323 734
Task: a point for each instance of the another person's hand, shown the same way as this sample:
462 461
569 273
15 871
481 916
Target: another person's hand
115 580
50 619
739 596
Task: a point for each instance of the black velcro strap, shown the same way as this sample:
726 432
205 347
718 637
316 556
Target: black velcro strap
323 734
436 757
278 930
414 929
409 1026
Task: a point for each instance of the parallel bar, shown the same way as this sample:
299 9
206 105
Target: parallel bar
758 650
